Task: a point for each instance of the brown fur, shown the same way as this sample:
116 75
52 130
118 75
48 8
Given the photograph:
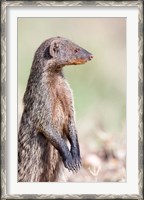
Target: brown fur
48 118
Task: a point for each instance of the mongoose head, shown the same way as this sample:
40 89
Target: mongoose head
59 51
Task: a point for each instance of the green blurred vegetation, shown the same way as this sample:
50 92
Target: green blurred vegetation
99 86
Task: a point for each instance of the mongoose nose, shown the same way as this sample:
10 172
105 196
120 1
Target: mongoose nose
90 57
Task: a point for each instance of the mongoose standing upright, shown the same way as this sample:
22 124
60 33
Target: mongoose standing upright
48 116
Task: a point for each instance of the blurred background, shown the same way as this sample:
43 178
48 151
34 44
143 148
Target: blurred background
99 89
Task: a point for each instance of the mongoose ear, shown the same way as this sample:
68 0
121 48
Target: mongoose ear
47 53
54 48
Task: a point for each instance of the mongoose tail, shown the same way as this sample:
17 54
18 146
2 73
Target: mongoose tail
48 118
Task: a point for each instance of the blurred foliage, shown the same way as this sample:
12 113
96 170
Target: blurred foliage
99 86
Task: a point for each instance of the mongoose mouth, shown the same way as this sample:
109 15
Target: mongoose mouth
77 62
81 61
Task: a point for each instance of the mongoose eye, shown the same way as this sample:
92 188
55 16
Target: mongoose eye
76 50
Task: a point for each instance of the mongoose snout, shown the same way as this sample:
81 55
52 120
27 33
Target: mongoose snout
48 119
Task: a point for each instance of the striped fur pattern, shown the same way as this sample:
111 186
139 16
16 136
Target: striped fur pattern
48 121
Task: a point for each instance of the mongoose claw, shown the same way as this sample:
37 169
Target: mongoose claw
78 164
68 163
76 159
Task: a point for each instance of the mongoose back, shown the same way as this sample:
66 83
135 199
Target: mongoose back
47 121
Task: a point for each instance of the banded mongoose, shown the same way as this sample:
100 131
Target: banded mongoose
48 120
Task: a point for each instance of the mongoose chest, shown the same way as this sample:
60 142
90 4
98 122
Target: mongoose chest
62 104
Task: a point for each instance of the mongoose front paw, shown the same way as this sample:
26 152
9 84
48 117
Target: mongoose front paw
76 159
69 164
77 162
72 163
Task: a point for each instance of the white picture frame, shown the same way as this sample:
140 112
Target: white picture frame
10 188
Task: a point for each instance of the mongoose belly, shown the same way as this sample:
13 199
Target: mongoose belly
60 120
62 106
